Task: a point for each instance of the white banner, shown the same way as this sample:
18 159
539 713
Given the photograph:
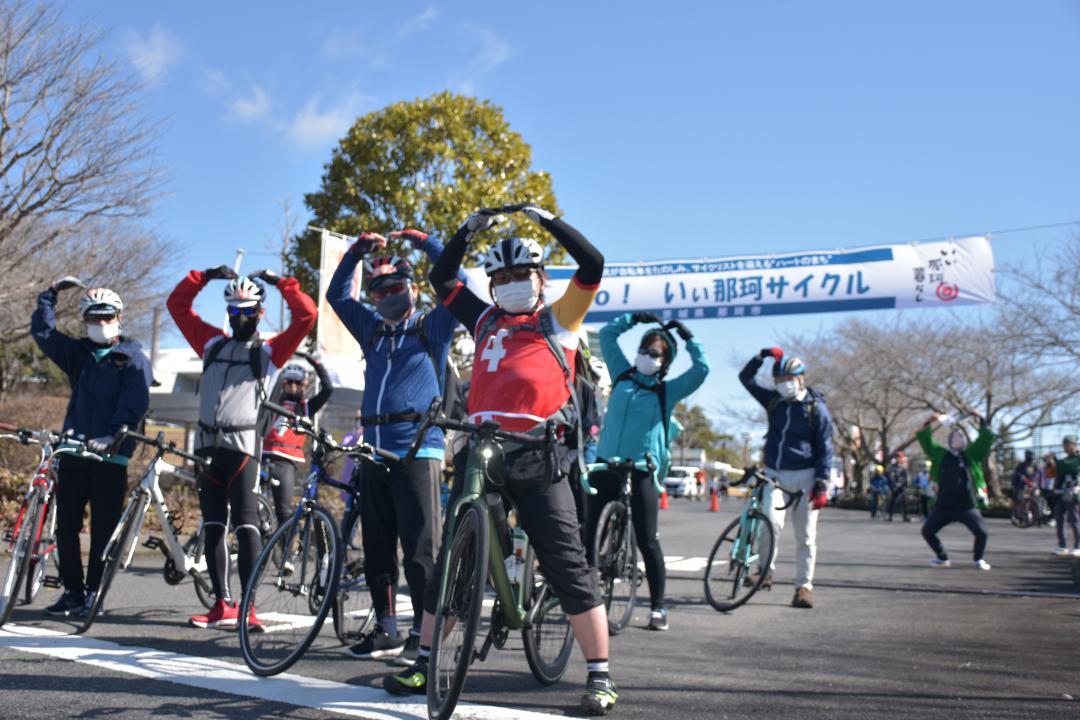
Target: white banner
340 352
931 274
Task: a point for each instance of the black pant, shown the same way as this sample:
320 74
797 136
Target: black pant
548 514
924 505
284 473
102 484
644 511
899 495
942 516
1067 512
399 501
230 482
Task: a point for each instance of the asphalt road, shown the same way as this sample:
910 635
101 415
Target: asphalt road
889 637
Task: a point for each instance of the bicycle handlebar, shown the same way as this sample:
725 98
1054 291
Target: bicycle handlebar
755 472
159 443
307 427
622 464
489 429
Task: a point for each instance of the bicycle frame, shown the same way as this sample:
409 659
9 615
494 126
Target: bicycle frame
747 526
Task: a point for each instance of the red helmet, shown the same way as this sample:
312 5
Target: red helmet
386 269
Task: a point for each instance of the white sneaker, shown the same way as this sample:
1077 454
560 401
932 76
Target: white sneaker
935 563
1062 551
982 565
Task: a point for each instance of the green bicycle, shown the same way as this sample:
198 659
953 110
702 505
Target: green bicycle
747 543
478 542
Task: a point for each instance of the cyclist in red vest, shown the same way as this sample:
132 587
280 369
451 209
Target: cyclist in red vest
520 382
283 447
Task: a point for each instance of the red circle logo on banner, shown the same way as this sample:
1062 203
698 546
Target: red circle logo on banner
947 292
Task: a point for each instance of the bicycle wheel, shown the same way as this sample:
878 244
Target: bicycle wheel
282 594
115 554
1024 513
737 553
458 615
616 565
267 518
19 554
353 611
44 549
548 637
195 549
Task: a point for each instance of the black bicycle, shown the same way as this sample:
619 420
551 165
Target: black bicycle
614 547
303 572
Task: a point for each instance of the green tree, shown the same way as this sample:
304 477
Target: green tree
425 164
700 432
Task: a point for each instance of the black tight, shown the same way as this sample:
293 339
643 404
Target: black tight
941 516
231 481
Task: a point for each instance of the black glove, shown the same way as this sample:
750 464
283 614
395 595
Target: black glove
221 272
774 352
366 243
645 317
682 330
66 282
268 276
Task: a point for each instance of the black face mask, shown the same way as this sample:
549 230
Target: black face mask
292 397
243 326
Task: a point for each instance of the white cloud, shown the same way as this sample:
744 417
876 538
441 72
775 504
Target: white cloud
492 53
214 82
352 45
314 126
418 23
153 54
250 109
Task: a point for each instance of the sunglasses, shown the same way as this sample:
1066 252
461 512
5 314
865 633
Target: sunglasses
504 275
394 289
247 311
655 354
292 382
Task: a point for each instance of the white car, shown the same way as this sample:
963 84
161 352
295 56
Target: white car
681 481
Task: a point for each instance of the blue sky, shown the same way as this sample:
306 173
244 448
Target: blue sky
679 130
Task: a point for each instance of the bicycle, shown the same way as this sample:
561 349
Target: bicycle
1031 509
478 538
32 538
747 542
303 570
614 547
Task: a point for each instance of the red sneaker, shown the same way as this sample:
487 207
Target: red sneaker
254 624
222 615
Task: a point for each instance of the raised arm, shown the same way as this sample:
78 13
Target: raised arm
181 306
747 376
302 313
691 380
462 302
357 318
616 361
980 449
326 387
58 347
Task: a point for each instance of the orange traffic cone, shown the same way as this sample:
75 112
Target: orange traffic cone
714 501
663 500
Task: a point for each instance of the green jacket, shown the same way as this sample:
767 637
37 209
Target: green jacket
974 454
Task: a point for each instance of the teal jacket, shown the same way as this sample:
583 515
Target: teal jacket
633 424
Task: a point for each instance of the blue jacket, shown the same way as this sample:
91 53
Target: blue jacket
107 391
791 443
633 424
399 375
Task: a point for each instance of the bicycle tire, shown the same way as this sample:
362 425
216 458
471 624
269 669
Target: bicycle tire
1024 513
276 653
548 636
39 559
353 609
114 555
195 548
464 578
616 565
738 571
20 553
267 517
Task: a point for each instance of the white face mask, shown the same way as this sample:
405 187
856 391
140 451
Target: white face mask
788 389
648 365
103 334
518 296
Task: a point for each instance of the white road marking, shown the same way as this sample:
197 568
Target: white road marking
220 676
678 563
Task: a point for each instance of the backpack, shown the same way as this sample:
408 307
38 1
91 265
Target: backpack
547 329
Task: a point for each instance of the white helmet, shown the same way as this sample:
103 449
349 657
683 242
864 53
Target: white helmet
513 252
244 292
292 371
100 301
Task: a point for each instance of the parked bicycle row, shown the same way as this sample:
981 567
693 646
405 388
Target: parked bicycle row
554 494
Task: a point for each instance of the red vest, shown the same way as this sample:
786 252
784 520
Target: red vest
516 380
282 440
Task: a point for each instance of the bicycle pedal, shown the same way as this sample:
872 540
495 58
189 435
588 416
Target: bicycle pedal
155 543
9 536
52 581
